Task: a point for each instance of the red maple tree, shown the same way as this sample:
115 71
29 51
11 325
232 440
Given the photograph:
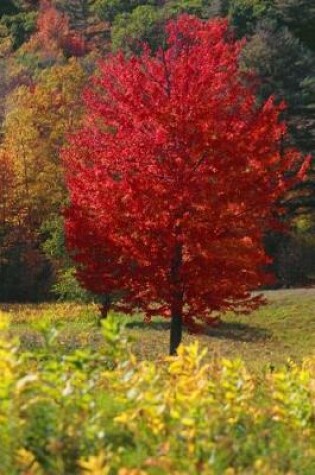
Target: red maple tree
173 179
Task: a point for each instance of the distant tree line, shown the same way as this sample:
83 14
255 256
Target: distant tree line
49 49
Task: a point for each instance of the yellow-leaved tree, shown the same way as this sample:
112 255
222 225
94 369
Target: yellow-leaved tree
38 118
37 121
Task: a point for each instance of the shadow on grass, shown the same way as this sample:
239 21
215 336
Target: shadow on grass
225 330
239 332
149 326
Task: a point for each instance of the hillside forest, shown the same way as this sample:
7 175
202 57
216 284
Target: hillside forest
48 52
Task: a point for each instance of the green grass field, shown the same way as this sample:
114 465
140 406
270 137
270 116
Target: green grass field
283 329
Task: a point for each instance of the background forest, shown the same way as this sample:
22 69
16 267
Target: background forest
48 50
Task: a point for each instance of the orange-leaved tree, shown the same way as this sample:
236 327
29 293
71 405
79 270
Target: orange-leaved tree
173 179
54 38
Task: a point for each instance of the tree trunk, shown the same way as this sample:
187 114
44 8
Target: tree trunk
105 307
176 331
177 304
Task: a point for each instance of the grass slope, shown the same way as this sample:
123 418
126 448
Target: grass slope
283 329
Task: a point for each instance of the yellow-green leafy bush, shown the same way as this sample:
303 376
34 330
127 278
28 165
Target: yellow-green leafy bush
108 413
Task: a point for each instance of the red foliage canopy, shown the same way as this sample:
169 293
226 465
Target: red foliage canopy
173 178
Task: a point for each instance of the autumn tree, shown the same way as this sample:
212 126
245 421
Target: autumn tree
6 187
38 118
85 23
173 178
54 39
23 271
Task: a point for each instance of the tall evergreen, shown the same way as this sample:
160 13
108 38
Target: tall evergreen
299 16
77 11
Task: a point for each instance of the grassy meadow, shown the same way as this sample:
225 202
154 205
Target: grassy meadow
281 330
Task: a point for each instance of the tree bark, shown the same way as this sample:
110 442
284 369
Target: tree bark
105 307
176 331
177 304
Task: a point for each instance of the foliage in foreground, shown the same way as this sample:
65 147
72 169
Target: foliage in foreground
108 413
